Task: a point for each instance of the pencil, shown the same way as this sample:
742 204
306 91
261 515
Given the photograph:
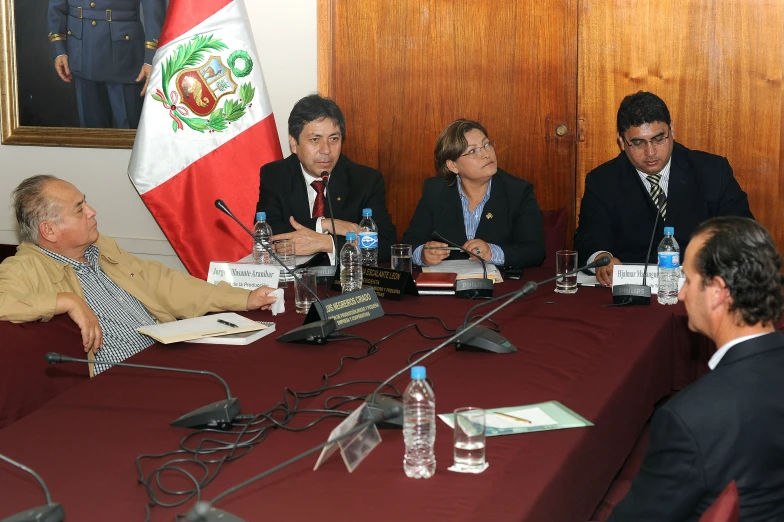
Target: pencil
512 417
441 248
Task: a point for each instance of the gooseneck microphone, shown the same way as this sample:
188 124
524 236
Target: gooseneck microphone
309 333
639 294
50 512
390 410
327 194
218 414
469 288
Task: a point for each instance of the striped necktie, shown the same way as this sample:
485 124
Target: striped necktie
318 205
656 193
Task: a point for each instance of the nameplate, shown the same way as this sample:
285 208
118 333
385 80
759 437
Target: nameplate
631 274
349 309
388 283
244 275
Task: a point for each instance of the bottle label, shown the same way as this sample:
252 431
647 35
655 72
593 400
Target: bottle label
669 260
368 240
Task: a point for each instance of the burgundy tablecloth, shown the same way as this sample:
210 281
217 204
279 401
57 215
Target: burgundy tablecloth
610 365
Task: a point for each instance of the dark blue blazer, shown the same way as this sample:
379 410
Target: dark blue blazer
101 50
617 212
728 425
510 219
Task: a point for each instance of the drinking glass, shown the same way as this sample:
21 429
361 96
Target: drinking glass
565 261
285 250
470 438
401 258
302 298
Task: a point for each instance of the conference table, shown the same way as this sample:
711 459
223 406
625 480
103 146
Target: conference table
610 365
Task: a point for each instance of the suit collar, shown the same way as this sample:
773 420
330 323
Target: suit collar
752 347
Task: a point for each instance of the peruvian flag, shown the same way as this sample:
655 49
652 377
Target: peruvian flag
206 128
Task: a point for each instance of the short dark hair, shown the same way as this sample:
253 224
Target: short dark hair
451 144
312 108
740 251
641 108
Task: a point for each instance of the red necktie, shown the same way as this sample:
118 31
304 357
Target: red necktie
318 205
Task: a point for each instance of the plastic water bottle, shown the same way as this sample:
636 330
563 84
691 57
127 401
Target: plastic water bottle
368 238
669 268
262 234
419 426
350 265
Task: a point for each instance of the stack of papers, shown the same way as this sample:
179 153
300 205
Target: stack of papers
466 269
551 415
200 327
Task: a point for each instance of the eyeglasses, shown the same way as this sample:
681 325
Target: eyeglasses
641 144
477 150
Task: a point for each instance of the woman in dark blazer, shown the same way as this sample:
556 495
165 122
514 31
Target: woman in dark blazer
475 204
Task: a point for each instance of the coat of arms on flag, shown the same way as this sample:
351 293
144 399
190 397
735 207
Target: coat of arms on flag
194 83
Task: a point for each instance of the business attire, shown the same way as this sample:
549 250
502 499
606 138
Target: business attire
726 426
106 44
510 219
352 187
617 211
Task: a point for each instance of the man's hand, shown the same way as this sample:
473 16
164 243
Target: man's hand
434 252
258 300
62 68
604 273
306 241
144 74
343 227
81 314
484 249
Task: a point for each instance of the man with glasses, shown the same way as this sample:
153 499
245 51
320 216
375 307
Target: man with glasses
652 174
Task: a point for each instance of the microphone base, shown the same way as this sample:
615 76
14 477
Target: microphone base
630 295
386 412
48 513
218 414
203 512
473 288
310 333
483 339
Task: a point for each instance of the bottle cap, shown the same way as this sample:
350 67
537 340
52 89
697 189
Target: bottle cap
669 231
418 373
261 216
367 212
351 236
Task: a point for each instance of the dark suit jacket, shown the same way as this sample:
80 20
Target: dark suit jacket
515 226
617 212
726 426
352 187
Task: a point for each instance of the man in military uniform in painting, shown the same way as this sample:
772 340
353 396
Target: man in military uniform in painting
106 50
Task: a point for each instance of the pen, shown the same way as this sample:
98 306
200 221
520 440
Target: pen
221 321
441 248
513 417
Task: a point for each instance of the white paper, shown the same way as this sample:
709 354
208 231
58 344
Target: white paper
584 279
535 416
465 268
279 306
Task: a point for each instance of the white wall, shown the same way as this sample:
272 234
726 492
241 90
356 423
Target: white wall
285 34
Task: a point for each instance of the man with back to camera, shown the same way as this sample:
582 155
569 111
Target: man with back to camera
64 266
617 211
728 425
293 195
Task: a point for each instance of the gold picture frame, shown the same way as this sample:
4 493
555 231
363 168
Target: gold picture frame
13 133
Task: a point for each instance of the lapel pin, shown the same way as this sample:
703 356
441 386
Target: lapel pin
489 215
338 198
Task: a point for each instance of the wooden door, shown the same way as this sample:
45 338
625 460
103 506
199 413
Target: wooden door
401 70
718 66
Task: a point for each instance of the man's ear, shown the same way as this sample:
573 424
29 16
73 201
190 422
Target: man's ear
47 231
621 142
672 130
720 293
292 144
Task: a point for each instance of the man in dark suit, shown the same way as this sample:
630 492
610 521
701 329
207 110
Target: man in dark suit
618 208
293 194
105 49
728 425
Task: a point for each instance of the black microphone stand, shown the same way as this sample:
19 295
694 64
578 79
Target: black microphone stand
469 288
50 512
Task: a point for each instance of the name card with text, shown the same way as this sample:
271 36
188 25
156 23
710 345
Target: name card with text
631 274
244 275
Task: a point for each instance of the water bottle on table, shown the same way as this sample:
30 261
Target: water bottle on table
669 268
262 234
419 426
350 265
368 238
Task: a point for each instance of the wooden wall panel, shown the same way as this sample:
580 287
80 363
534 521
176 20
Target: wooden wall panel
718 66
401 70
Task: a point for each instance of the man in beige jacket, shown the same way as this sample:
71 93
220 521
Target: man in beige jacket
64 266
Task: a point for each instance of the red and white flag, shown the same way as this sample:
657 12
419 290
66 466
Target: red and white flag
206 128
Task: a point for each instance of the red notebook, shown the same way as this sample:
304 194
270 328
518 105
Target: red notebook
436 283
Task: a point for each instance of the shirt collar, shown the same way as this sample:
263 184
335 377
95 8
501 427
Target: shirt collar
463 196
664 173
721 352
308 178
91 254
